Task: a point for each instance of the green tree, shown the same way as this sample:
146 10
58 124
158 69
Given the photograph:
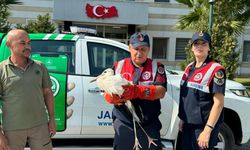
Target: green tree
4 14
229 20
43 24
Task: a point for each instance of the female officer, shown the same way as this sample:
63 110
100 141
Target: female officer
201 97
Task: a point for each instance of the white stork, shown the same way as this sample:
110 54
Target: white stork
112 84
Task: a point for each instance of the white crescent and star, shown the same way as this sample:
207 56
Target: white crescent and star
99 15
198 77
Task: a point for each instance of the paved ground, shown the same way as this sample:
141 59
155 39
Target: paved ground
243 147
103 146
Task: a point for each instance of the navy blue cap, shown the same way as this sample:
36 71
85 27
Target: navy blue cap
139 39
204 36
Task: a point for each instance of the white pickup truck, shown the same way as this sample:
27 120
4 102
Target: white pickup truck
81 111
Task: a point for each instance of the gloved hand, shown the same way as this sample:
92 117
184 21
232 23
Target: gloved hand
113 99
139 91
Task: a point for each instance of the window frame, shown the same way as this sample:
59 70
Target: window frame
246 51
162 1
177 45
163 54
95 68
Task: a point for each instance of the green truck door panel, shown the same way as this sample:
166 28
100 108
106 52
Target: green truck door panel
4 50
57 66
1 37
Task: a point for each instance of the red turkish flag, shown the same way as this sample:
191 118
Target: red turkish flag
100 11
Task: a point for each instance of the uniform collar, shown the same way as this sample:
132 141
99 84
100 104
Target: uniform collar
131 62
9 62
207 60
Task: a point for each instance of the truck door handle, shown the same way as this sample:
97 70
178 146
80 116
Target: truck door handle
95 90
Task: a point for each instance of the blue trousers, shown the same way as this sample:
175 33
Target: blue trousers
124 136
191 133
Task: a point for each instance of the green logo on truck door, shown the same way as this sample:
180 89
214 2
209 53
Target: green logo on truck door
55 86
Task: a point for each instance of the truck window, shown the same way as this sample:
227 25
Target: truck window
102 56
56 47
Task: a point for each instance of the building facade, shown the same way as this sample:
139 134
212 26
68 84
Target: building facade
119 19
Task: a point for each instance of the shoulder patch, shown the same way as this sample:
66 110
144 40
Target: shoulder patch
219 74
160 70
146 75
219 81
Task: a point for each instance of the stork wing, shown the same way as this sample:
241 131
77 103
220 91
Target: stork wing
113 84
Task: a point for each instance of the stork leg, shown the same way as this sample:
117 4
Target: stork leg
137 120
137 145
150 140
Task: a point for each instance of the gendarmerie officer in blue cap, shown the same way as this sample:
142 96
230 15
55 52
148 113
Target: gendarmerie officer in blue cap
201 97
148 85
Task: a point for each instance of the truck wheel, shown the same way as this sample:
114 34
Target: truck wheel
225 139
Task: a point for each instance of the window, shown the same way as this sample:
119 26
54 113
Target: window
161 0
102 56
246 51
180 53
53 48
160 48
115 35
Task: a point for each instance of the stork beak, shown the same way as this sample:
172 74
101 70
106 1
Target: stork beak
93 80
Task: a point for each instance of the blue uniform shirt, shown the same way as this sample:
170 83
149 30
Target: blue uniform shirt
195 105
147 111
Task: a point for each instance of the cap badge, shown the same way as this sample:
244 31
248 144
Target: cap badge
201 34
141 38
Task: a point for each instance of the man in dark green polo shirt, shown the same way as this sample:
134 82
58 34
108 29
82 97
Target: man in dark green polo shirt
25 89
